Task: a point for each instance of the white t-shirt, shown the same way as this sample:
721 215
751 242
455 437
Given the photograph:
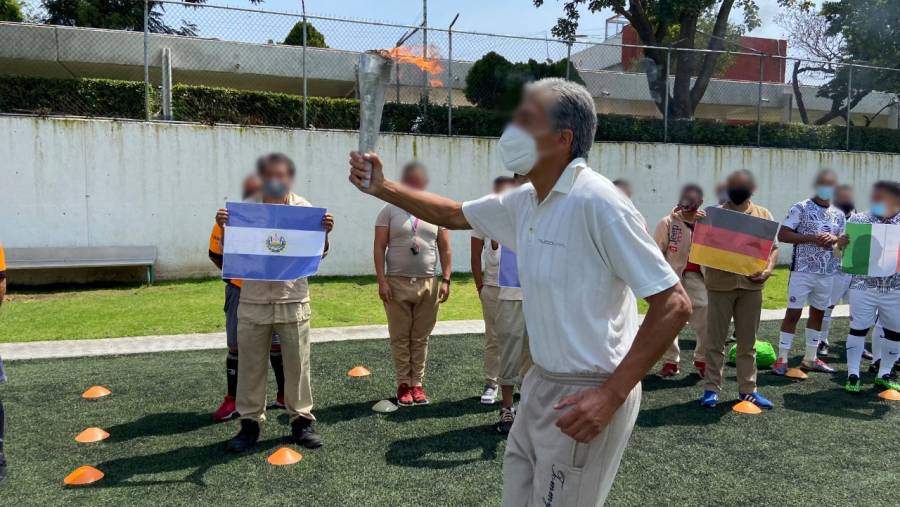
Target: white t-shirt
490 261
807 217
583 255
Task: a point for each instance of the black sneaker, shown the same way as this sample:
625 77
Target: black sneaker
507 417
874 366
305 433
823 349
246 438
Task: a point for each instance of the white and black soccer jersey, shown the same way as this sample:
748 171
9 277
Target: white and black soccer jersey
807 217
883 284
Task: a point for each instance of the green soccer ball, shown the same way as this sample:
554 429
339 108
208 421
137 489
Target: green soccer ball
765 354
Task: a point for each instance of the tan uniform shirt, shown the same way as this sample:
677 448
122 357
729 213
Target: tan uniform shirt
724 281
277 292
402 239
674 238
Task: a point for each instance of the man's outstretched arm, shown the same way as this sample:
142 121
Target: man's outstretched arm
426 206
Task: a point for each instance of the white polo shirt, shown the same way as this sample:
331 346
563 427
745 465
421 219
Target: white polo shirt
579 252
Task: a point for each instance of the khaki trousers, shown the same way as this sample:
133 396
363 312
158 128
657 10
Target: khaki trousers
744 307
512 340
544 466
256 323
696 290
488 296
411 315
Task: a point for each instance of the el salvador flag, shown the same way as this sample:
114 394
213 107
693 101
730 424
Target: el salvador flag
272 242
509 269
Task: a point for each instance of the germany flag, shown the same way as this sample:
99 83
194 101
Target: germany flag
732 241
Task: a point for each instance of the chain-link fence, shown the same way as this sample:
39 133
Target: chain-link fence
250 66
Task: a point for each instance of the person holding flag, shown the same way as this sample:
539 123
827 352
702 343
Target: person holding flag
267 306
870 251
251 187
574 234
812 226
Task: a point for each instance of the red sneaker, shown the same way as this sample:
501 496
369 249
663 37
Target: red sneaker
700 366
418 395
404 395
225 411
668 370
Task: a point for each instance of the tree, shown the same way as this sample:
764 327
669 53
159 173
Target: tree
314 38
10 10
494 82
116 15
672 23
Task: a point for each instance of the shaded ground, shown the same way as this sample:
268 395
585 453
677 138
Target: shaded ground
819 446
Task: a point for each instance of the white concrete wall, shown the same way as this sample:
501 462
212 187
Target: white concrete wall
69 182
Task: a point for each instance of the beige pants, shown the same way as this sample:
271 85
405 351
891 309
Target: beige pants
256 323
512 340
696 290
743 306
488 296
411 315
542 465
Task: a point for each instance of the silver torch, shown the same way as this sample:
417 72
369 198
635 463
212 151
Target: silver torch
373 74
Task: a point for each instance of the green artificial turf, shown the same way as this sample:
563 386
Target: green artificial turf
195 306
820 446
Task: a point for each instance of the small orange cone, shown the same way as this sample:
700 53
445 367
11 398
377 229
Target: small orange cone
745 407
890 394
359 371
91 435
96 392
83 476
796 373
284 456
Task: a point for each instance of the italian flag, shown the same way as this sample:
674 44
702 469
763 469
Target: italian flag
874 250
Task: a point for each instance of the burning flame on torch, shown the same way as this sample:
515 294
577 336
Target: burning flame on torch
429 62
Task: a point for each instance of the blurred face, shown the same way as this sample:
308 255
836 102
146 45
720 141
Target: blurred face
415 178
721 192
740 187
625 188
276 180
824 186
690 200
884 204
843 200
252 186
503 187
533 117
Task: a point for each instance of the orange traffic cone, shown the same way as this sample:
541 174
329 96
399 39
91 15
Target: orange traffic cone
796 373
83 476
890 394
91 435
96 392
359 371
745 407
284 456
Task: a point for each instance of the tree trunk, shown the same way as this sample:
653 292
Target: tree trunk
795 82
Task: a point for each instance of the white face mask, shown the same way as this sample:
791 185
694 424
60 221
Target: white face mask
518 150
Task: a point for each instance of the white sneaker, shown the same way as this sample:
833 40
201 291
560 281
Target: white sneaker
489 395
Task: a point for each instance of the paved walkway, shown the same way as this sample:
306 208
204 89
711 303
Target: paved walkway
206 341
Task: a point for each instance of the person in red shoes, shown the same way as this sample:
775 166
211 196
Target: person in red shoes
674 234
252 186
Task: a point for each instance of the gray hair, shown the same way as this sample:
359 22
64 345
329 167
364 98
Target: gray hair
573 108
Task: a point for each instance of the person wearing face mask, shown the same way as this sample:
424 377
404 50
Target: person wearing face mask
251 188
582 255
406 251
738 297
721 193
874 297
674 234
812 226
268 307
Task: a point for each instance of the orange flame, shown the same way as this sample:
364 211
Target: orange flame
436 83
413 56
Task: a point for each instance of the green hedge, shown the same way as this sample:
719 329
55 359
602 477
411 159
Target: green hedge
125 99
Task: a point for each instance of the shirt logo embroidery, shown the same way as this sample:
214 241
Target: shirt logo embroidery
550 243
276 243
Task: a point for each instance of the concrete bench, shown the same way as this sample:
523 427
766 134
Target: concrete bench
82 257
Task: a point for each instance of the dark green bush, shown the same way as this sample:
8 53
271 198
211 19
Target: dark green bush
125 99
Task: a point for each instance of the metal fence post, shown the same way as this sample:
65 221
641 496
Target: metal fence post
305 84
146 62
759 101
166 94
666 98
849 98
450 76
568 60
425 75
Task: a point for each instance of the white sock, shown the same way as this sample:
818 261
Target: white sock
826 327
785 340
877 342
855 346
812 344
889 352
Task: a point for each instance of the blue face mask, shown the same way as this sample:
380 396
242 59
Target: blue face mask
824 192
275 188
879 209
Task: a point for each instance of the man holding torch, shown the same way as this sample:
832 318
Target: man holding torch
583 256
